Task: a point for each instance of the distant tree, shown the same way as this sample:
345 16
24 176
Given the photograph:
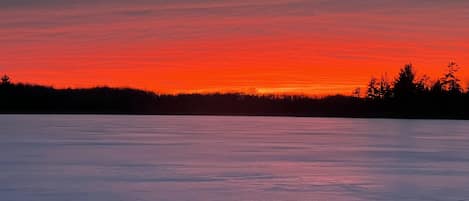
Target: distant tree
437 88
450 83
5 80
467 88
379 89
404 85
384 87
356 92
373 89
424 84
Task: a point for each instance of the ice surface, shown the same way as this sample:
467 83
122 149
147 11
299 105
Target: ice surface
194 158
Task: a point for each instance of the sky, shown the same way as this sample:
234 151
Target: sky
255 46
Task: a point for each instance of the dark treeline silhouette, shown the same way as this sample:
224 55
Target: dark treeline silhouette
406 96
410 96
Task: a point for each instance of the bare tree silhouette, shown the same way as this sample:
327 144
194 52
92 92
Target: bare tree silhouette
385 91
373 89
379 89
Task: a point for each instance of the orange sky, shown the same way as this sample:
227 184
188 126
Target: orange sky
278 46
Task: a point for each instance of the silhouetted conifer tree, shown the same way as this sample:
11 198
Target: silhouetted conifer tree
437 88
450 83
405 86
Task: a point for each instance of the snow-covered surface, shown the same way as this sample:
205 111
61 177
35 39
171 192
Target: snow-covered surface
193 158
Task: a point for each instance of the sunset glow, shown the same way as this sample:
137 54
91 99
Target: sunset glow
253 46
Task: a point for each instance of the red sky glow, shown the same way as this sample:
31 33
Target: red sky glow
277 46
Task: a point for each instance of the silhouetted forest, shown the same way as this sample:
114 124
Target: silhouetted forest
405 96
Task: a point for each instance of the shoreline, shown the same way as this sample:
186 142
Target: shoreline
242 115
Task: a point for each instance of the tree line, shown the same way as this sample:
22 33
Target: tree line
406 96
407 85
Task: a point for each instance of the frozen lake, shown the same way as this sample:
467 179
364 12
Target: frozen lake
193 158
